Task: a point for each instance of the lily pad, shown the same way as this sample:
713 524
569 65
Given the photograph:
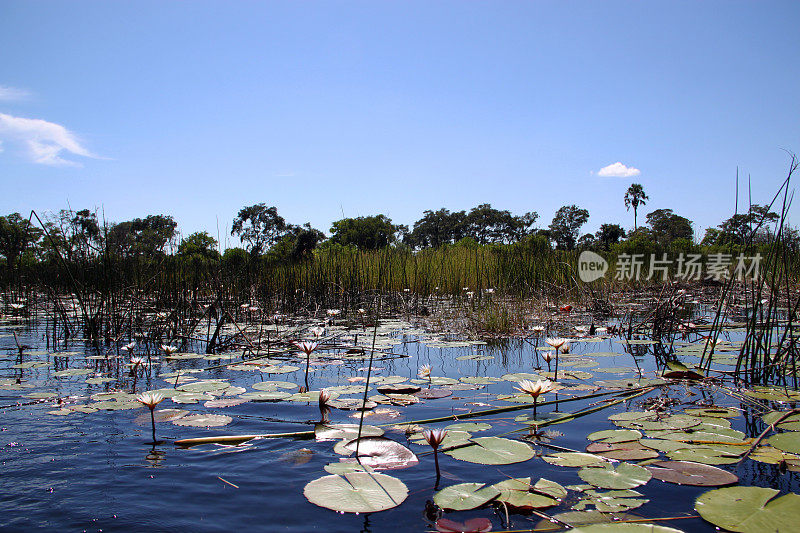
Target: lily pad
573 459
465 496
520 494
750 509
356 492
788 442
493 451
203 420
623 476
691 473
348 432
615 435
382 454
622 451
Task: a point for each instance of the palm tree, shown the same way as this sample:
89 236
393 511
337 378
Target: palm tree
634 197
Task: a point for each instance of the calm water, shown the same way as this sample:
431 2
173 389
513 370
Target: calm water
98 472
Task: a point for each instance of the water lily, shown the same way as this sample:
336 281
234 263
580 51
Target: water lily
535 390
150 400
168 349
556 342
324 409
137 361
424 372
128 347
333 312
317 331
434 438
307 347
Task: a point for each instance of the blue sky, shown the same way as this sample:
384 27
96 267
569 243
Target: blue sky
325 109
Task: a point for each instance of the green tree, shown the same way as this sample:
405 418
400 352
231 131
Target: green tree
566 225
609 234
437 228
367 233
259 227
16 234
199 244
634 197
740 227
145 237
666 227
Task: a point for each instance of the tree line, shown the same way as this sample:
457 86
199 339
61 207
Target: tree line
79 236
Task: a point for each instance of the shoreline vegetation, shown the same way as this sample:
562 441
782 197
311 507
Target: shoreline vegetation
484 273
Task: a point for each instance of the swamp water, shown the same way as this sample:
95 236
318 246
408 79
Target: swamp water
76 451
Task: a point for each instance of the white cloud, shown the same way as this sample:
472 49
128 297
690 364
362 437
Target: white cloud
10 93
618 170
42 141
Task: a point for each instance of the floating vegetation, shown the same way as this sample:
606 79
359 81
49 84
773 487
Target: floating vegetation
345 399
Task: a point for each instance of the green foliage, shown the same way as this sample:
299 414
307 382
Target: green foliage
199 245
366 233
609 234
566 225
666 227
634 197
16 234
142 236
259 227
483 224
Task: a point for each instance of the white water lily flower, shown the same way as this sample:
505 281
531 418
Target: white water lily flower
136 361
150 399
318 331
306 346
128 347
333 312
424 371
557 342
169 350
548 356
535 389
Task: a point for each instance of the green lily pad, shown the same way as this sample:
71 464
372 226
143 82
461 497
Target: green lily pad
790 423
750 509
356 492
465 496
615 435
691 473
517 493
205 386
716 412
623 476
274 385
769 455
705 454
788 442
493 451
573 459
